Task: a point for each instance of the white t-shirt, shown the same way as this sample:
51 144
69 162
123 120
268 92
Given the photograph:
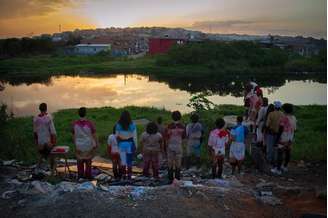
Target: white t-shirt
218 140
44 127
111 141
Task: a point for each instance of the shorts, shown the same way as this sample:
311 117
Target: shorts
194 149
237 151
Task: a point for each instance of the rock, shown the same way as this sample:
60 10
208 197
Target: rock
8 162
22 202
41 187
201 194
8 194
103 177
24 176
301 164
86 186
271 200
67 186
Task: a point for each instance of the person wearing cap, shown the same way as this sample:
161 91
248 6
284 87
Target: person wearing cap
272 130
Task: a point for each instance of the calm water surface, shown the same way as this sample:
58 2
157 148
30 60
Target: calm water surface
120 90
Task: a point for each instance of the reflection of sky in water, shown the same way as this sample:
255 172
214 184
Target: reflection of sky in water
74 92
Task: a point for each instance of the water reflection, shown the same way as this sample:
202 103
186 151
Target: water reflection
61 92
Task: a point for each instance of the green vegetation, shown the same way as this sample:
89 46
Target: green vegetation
17 138
194 60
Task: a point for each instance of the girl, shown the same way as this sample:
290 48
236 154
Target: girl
85 140
113 152
217 142
126 135
151 140
237 148
175 133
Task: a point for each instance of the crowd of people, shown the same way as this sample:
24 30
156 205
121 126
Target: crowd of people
273 130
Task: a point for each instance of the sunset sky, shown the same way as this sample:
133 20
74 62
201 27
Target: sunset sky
284 17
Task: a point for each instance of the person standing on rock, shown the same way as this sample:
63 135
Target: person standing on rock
174 134
272 129
285 139
217 142
44 134
86 143
126 135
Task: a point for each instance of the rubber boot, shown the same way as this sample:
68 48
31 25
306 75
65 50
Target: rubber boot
177 173
170 175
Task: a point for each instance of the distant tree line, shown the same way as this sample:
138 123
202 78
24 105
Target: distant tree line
237 56
14 47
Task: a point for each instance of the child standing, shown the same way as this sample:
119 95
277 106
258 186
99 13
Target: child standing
194 133
287 127
175 132
44 134
237 148
85 140
114 154
217 142
151 140
126 135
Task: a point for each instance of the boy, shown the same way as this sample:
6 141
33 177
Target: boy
44 134
85 140
114 154
194 133
237 148
175 132
217 142
151 140
287 127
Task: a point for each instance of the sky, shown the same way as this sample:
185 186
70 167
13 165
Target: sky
256 17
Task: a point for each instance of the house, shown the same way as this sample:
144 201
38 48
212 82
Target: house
91 49
163 45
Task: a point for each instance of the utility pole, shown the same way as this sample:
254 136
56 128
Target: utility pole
59 27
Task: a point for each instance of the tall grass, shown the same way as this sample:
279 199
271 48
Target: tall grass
17 136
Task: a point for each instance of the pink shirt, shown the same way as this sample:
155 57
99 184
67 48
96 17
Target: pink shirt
83 131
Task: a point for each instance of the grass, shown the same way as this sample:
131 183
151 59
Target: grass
17 138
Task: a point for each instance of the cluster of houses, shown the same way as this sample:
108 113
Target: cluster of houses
134 41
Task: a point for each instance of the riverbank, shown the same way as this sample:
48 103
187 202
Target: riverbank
50 65
17 138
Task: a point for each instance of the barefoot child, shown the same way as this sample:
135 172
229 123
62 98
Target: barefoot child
85 140
217 142
114 154
237 147
151 140
175 132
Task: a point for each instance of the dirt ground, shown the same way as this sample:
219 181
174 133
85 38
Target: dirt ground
299 191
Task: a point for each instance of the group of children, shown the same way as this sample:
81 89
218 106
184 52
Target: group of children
274 131
273 126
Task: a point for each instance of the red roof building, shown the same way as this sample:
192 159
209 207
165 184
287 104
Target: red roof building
162 45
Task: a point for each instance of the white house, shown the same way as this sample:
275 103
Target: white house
91 49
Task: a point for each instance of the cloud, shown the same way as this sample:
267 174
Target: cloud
221 24
10 9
